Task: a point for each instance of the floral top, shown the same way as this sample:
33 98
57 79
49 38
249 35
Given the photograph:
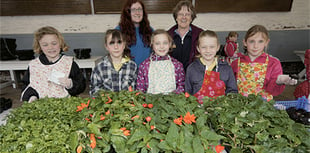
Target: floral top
143 81
274 69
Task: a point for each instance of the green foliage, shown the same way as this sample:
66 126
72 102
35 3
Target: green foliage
251 124
47 125
160 134
62 125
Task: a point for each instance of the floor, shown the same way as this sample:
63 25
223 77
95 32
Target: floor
288 68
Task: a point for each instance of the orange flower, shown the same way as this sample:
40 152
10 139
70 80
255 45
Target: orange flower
137 93
188 118
79 149
83 105
130 89
152 127
92 141
178 121
109 100
187 94
219 148
137 116
102 117
126 132
107 113
79 108
123 128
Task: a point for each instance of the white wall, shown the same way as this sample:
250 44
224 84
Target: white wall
297 18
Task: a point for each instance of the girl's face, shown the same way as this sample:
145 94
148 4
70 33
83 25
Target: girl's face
136 12
208 47
233 38
256 44
115 47
161 44
50 46
184 18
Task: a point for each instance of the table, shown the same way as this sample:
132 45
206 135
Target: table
13 65
301 54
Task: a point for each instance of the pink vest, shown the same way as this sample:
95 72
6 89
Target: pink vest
39 74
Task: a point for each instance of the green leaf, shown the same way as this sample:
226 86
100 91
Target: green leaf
119 143
197 145
172 135
210 135
137 135
73 140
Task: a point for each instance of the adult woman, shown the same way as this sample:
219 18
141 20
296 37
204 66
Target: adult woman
184 33
136 26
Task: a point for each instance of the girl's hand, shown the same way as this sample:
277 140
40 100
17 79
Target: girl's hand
286 79
66 82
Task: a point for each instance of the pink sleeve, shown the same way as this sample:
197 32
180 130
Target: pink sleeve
274 69
142 79
179 77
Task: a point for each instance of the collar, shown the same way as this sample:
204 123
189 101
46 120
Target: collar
210 67
189 30
155 57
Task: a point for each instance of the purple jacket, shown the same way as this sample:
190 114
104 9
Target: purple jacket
143 80
195 34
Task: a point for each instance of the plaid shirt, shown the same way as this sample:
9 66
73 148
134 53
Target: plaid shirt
105 77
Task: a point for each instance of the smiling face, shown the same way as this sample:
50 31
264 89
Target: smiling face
208 47
256 44
115 47
50 46
136 12
161 44
184 18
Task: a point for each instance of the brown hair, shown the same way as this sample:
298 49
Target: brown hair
231 34
128 27
117 35
207 33
254 30
162 31
48 30
179 6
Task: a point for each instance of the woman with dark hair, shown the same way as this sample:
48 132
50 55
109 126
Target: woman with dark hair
136 26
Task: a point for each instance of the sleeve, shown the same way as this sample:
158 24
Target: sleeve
78 80
179 77
188 85
274 69
142 77
229 49
134 75
96 81
234 66
231 84
27 92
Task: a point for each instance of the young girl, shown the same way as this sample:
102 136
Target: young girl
52 74
257 72
161 73
231 47
208 75
116 72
